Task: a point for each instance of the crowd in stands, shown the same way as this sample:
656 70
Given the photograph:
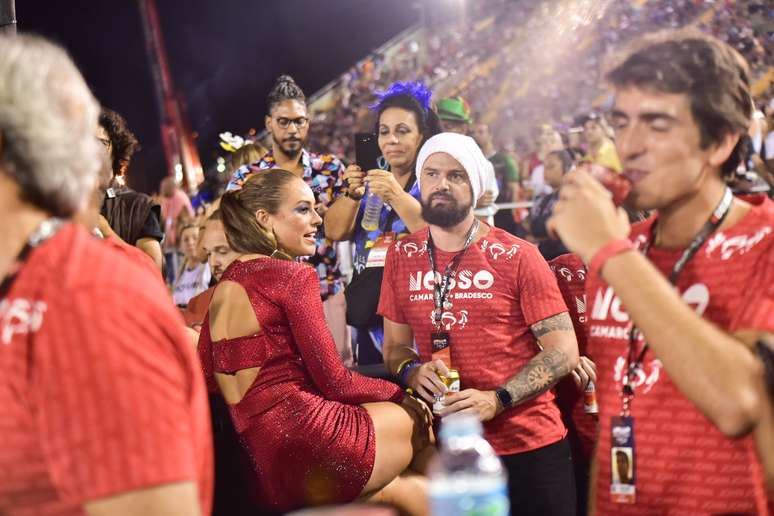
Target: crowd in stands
516 81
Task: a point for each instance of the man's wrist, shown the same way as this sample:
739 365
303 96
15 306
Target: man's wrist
603 254
398 198
503 398
404 370
401 365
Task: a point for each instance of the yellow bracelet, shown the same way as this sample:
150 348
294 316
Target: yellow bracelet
403 364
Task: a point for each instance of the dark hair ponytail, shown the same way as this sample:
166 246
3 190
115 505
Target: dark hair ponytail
285 88
263 190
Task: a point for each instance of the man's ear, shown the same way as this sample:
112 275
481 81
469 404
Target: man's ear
267 123
721 150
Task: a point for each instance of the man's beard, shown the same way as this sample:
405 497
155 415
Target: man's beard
444 215
283 145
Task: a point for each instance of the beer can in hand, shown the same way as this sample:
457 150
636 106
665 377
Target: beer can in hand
452 383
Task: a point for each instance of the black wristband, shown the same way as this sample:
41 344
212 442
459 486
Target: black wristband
505 397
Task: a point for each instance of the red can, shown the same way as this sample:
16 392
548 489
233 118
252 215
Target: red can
590 399
617 184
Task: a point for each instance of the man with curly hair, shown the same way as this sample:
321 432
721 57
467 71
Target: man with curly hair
132 216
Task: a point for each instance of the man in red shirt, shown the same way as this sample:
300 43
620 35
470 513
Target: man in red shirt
497 317
677 394
104 408
578 406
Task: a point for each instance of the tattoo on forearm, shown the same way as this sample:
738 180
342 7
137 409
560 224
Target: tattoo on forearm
558 322
539 375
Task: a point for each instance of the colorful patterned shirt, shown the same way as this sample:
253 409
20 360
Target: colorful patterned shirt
324 173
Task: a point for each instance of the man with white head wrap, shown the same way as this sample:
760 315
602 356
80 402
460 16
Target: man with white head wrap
479 300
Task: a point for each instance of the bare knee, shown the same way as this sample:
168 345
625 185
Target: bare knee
408 493
393 429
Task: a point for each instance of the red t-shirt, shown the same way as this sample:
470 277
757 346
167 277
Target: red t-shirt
196 310
683 463
100 388
571 277
502 287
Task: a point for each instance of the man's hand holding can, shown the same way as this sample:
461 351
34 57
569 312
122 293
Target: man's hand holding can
425 380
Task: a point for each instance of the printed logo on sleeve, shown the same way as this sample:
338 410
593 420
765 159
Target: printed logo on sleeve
738 244
20 317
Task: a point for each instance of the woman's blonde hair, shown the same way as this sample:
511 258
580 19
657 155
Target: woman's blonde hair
247 154
263 190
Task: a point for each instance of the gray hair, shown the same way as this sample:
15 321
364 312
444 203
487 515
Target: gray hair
48 125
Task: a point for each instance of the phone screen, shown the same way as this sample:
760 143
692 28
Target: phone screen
367 153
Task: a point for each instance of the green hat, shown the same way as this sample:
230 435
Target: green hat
454 109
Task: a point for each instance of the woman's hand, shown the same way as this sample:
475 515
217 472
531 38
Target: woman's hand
422 416
353 176
384 184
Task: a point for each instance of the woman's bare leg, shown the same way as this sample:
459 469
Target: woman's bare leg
407 493
398 440
422 459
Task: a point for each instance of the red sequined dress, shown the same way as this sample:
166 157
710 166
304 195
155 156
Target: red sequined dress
301 421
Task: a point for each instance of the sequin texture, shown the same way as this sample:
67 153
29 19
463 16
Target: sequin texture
301 422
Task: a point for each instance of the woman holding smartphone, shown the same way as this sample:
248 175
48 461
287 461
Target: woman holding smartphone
405 120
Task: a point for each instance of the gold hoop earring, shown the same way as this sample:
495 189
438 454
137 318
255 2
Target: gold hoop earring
277 251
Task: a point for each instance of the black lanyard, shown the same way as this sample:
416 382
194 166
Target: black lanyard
715 220
47 229
441 289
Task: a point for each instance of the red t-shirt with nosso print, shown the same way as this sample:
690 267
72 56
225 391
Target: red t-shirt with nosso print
502 287
684 465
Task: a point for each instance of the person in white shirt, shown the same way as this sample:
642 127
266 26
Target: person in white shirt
194 275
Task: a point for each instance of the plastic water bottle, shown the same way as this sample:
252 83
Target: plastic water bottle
467 478
372 212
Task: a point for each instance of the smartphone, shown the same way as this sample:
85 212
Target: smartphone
367 153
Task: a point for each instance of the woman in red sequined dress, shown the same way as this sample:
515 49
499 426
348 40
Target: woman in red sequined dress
316 432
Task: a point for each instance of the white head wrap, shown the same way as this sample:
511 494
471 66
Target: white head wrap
465 150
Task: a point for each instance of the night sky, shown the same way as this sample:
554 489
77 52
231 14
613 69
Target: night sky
224 56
